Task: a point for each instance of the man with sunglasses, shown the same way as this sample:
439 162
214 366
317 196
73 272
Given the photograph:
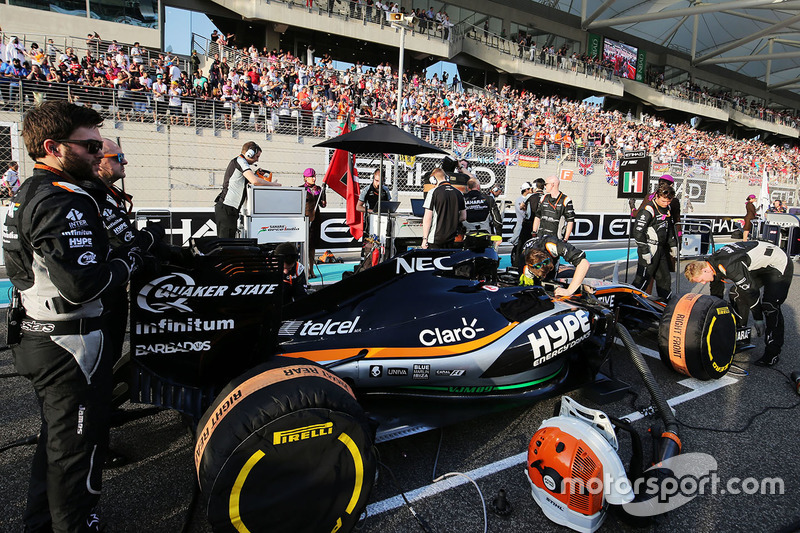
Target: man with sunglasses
58 257
541 255
115 209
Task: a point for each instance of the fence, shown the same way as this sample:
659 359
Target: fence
257 120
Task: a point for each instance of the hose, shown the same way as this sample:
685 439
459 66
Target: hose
670 443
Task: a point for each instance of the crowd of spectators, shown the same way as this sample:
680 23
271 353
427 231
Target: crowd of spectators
270 90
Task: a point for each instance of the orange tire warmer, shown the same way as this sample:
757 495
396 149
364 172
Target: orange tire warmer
284 448
697 336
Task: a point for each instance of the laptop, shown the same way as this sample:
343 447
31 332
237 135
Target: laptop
418 207
389 207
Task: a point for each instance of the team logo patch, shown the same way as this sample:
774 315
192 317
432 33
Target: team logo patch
87 258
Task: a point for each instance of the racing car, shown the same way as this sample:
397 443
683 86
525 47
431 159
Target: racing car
304 384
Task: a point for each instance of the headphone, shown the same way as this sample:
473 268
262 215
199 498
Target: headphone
252 152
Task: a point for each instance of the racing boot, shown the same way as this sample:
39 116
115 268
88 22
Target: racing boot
770 357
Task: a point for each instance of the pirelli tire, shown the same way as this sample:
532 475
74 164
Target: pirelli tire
697 336
285 448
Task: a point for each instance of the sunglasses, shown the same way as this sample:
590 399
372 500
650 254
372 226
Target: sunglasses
92 146
119 157
540 264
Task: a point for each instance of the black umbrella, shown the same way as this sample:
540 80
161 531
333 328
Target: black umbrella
381 138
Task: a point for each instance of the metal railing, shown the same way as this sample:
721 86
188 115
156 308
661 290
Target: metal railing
518 146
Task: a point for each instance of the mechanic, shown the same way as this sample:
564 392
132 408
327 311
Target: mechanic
479 208
674 211
656 242
115 206
554 207
529 207
58 257
445 210
315 199
294 274
541 255
234 189
750 265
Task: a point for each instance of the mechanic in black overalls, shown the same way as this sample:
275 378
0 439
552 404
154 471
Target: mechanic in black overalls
655 239
529 209
541 255
479 208
750 265
552 208
58 257
115 208
294 273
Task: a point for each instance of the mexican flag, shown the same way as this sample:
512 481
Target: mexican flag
633 182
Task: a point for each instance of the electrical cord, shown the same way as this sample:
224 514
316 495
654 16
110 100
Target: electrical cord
749 422
25 441
483 502
423 524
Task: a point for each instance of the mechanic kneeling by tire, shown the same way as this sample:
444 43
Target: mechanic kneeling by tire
751 265
58 257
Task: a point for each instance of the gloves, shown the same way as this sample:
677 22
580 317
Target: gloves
135 260
760 326
644 254
155 232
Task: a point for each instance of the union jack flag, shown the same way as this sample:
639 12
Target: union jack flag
612 171
505 156
753 180
462 150
585 165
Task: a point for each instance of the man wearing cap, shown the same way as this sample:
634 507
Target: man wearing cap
445 210
315 199
234 189
159 97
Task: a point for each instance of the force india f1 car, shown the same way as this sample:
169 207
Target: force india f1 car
278 390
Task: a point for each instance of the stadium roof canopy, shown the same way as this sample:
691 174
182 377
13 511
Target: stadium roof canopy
756 38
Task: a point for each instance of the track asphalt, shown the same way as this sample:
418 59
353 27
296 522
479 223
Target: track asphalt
748 421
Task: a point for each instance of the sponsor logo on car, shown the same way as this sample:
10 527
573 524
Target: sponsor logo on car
171 292
168 325
451 373
375 371
559 336
467 332
420 264
421 371
309 328
607 300
173 347
397 372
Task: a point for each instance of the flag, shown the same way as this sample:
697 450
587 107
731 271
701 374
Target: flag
462 150
753 180
660 168
612 171
505 156
566 174
408 160
633 182
529 161
340 177
585 165
763 199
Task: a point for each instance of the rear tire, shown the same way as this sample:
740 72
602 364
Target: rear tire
285 447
